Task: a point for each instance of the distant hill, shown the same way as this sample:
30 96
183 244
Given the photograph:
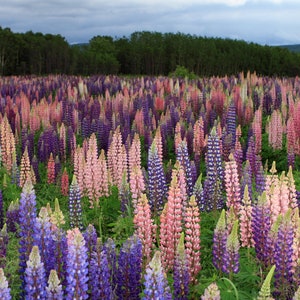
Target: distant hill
293 48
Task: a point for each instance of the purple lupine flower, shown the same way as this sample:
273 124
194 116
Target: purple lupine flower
60 250
77 266
35 279
29 227
260 180
4 289
90 236
3 246
110 250
47 244
183 157
213 185
198 192
219 242
13 216
231 123
283 259
75 209
54 289
261 225
99 272
231 255
181 272
156 285
129 269
156 181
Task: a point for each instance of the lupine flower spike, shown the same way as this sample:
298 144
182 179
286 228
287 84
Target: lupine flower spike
265 291
54 289
4 289
212 292
35 279
156 285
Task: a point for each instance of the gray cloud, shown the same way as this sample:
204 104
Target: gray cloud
265 22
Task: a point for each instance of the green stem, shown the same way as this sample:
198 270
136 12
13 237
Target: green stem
233 286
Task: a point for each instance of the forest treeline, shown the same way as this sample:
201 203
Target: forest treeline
147 53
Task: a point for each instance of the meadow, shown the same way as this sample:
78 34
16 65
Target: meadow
149 187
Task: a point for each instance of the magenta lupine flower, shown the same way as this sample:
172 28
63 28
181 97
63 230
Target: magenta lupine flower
54 289
156 285
35 279
4 289
77 266
219 242
231 255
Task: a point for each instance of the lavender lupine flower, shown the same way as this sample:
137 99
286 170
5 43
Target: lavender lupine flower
4 289
29 227
77 266
3 246
13 216
99 272
156 285
75 205
231 255
47 244
129 269
181 272
156 181
213 185
219 242
212 292
35 279
261 225
15 173
231 123
54 289
183 157
283 259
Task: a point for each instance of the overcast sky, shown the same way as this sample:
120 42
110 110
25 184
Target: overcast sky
271 22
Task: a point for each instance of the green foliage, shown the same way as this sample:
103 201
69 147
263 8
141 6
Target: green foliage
183 72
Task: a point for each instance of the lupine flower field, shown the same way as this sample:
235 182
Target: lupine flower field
149 187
